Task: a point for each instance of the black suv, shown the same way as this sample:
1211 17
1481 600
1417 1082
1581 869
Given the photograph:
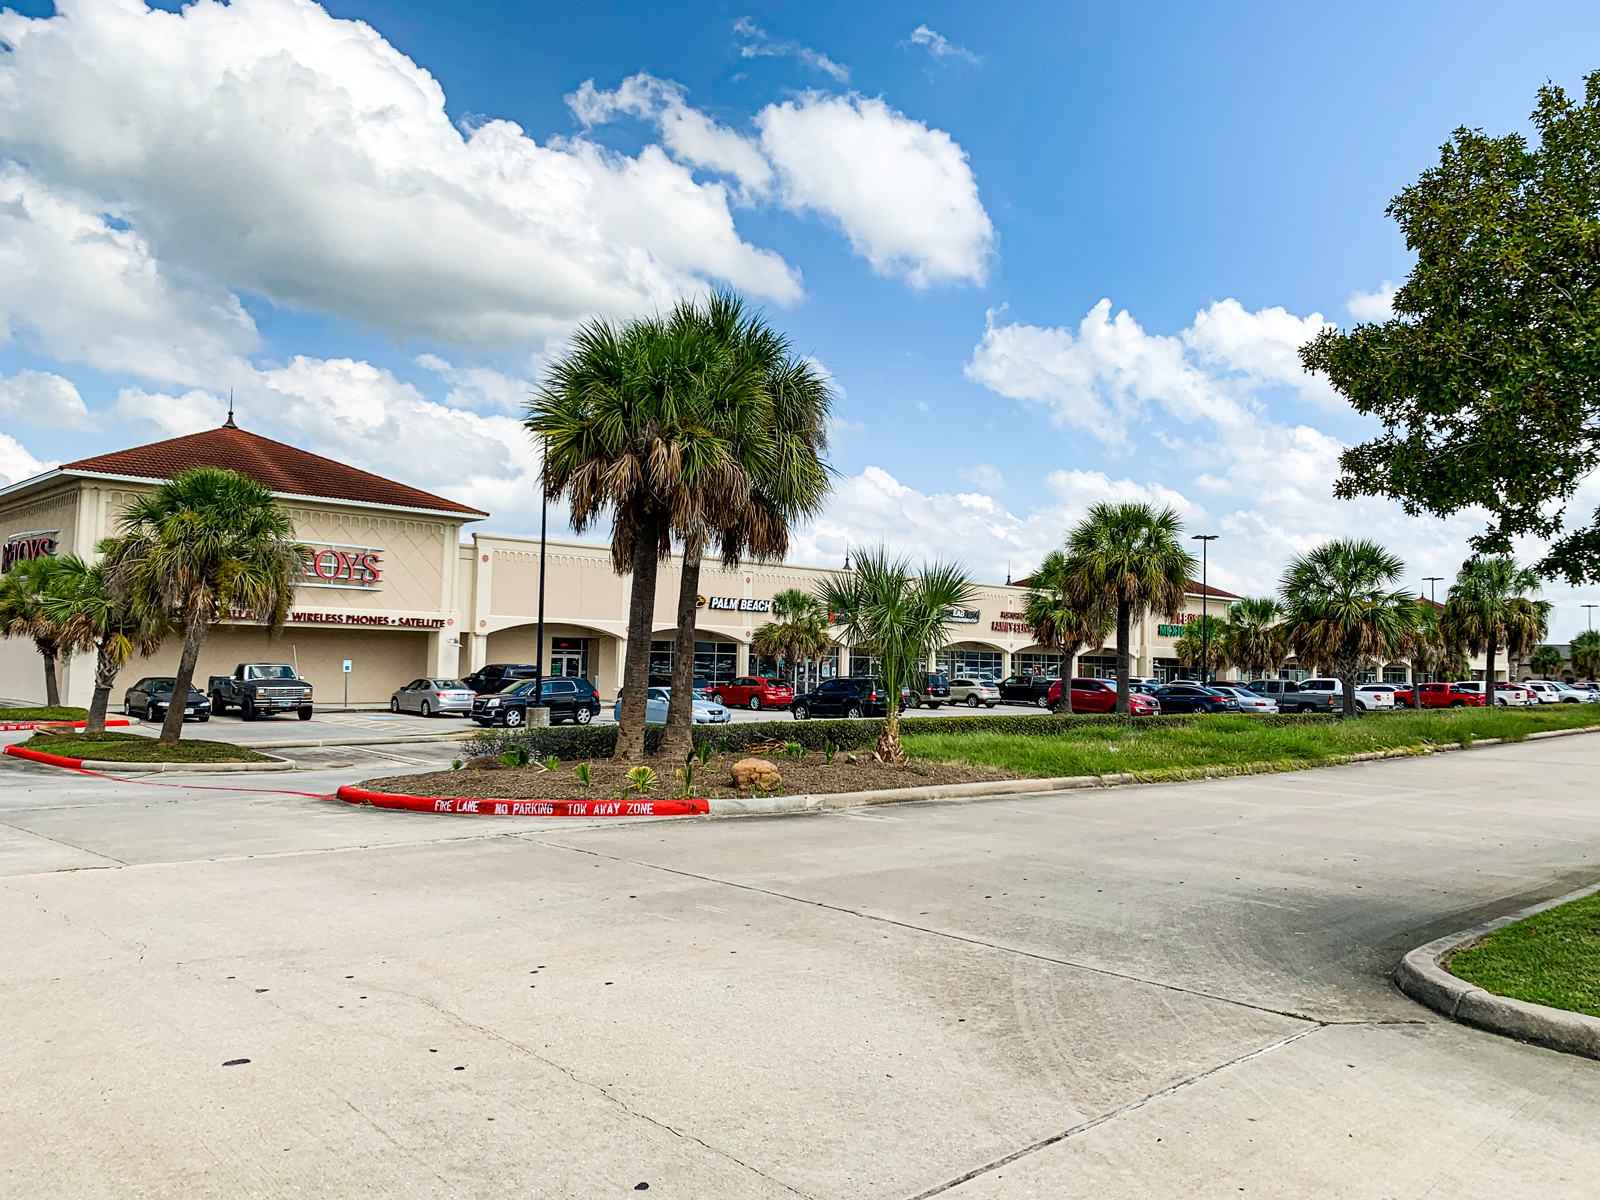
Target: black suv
497 677
1026 689
855 696
150 698
567 700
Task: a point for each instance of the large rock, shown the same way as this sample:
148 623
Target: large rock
751 773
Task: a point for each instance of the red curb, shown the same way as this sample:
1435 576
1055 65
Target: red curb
54 760
527 808
9 728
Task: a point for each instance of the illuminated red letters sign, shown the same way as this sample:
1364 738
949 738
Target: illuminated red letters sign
328 565
20 547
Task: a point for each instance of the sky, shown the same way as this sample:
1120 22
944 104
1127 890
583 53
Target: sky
1049 254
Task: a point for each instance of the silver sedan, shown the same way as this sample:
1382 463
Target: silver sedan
433 697
1249 702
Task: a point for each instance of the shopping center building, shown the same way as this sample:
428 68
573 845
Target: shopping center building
395 583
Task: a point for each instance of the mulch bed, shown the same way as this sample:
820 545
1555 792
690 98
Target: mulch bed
811 775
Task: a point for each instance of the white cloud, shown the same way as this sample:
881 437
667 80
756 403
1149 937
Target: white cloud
940 46
1263 346
273 147
40 398
16 464
477 388
761 46
902 193
1373 306
984 475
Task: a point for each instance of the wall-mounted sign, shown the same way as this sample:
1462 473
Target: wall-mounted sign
1010 626
1176 630
733 604
19 547
311 618
353 568
963 616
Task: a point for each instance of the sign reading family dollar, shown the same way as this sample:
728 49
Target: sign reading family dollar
19 547
329 565
733 604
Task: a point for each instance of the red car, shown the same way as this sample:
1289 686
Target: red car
1448 695
1405 696
1100 696
754 692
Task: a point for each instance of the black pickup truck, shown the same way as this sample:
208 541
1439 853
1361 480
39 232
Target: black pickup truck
260 690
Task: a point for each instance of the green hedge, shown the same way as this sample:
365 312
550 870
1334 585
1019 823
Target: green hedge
600 741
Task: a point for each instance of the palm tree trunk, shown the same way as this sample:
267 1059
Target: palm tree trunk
105 674
678 741
1488 673
636 666
1349 664
183 679
52 683
889 749
1124 614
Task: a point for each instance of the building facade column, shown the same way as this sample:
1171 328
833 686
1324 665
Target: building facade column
477 651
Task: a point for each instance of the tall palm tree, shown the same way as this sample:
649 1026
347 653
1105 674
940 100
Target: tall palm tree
202 544
898 618
1585 653
24 592
1546 659
1491 606
1127 560
1061 618
1208 638
1255 637
797 633
1425 647
1340 607
92 616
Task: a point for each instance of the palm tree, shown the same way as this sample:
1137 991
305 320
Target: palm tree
1062 619
1585 654
1126 560
24 591
899 619
92 617
1425 648
1490 606
797 633
1255 637
1340 608
1546 659
1206 637
202 544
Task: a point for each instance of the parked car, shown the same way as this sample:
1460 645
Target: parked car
701 685
1249 702
150 698
1283 691
1550 691
972 691
1375 695
260 690
706 712
500 677
1448 695
1405 695
929 690
567 699
1513 695
1327 695
754 692
433 697
852 696
1026 689
1192 698
1100 696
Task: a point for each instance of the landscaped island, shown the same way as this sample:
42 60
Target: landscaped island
1552 958
131 748
58 712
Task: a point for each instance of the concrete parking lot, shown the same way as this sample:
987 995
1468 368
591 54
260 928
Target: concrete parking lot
1144 992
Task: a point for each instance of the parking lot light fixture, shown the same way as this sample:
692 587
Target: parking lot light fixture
1430 580
1205 540
1591 608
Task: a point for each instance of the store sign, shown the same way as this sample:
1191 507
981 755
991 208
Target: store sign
19 547
352 568
963 616
1011 622
1177 629
733 604
312 618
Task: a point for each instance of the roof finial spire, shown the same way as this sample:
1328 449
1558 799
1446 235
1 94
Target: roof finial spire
228 424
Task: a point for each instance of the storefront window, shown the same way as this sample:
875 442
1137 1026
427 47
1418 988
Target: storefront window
1097 666
1167 669
767 668
863 664
959 664
1048 665
1394 674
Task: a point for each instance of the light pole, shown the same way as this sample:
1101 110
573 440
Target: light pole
1591 608
1205 540
1430 580
539 708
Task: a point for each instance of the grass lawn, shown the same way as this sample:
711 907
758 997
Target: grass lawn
1551 959
59 713
130 747
1153 748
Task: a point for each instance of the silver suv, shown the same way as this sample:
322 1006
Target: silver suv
973 690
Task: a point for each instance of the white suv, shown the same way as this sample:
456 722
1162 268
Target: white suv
1550 692
973 690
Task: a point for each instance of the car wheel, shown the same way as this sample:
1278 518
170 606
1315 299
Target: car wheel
217 706
583 716
755 703
973 701
426 711
934 705
799 712
1458 704
394 703
1043 702
1307 708
305 712
513 717
203 717
853 712
716 698
247 710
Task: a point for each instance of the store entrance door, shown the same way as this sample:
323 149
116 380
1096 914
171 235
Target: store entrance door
567 664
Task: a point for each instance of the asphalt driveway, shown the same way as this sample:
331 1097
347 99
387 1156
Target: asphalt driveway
1143 992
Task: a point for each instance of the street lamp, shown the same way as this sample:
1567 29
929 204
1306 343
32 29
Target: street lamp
1591 608
539 707
1430 580
1205 540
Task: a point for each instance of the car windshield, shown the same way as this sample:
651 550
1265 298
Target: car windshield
269 671
158 685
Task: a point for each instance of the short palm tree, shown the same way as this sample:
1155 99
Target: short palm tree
1062 619
898 618
1205 638
1491 607
24 594
797 633
1546 659
202 544
92 616
1341 607
1127 560
1585 654
1255 637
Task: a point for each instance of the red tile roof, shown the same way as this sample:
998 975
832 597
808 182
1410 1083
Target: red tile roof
1195 589
282 468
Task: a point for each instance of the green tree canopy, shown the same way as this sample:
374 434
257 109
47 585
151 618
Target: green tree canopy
1205 637
1585 654
1060 616
1487 378
24 594
93 616
1490 608
1255 637
797 633
1547 659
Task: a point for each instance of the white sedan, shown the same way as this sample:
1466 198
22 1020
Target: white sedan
706 712
1249 702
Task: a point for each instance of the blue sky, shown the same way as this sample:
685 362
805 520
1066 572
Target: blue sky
338 223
